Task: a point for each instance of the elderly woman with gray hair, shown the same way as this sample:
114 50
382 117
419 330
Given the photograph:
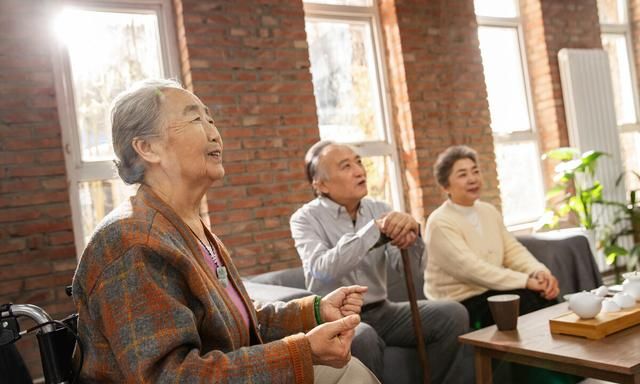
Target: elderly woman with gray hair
158 295
472 256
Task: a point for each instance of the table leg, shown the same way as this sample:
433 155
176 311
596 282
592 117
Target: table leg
484 374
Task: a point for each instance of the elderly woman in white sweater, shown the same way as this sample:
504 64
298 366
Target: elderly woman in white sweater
471 255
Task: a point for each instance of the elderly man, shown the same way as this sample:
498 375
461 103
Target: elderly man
346 238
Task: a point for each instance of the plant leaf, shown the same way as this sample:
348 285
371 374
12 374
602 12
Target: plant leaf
568 167
613 251
589 157
562 154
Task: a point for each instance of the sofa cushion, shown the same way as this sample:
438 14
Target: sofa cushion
290 277
267 293
569 259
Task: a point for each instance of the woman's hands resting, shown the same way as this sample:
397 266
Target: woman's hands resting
545 283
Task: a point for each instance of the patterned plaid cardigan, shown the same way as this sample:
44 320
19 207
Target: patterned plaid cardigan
151 310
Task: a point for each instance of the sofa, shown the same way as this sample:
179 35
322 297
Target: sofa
568 257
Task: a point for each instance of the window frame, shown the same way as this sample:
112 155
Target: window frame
387 147
624 30
532 135
78 171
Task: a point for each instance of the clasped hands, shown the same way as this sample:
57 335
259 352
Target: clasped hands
545 283
400 227
331 341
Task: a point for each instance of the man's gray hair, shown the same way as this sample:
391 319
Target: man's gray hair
312 158
136 112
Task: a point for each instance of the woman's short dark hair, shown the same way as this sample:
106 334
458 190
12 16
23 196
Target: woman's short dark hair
136 113
444 164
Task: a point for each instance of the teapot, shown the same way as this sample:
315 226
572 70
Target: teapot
631 285
585 304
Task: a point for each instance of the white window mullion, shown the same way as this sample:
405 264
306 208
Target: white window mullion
373 148
85 27
512 121
331 25
385 97
515 137
615 28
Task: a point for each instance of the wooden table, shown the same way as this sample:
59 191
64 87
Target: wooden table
613 358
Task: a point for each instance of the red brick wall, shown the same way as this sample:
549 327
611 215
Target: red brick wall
634 21
446 95
37 254
549 26
402 120
249 63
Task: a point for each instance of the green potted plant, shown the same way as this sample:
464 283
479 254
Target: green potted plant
625 225
576 190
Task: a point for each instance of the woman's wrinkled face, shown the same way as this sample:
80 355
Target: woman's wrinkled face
191 146
465 182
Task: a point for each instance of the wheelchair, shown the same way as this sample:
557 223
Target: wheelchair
57 339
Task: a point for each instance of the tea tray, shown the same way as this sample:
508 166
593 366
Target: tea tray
600 326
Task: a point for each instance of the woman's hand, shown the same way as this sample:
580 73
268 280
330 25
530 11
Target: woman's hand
550 283
545 283
331 342
342 302
534 284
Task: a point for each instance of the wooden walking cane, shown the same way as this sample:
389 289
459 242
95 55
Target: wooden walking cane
415 315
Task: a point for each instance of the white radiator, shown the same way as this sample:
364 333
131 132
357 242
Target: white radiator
591 118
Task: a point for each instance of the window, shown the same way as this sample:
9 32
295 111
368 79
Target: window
103 48
616 41
512 123
348 82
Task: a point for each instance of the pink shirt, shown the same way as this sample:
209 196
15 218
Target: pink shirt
212 260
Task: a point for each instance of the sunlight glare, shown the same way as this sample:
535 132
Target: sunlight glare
82 31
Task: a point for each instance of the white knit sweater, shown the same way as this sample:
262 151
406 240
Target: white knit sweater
462 262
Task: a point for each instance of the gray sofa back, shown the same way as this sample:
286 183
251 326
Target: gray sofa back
569 259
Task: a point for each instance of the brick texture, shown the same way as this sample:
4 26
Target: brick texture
248 61
442 99
548 27
37 253
634 21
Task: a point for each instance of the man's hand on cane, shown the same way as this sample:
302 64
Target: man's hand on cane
401 227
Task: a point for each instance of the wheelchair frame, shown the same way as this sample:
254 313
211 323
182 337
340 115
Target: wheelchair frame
57 340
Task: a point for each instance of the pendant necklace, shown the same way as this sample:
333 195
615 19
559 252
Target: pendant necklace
221 270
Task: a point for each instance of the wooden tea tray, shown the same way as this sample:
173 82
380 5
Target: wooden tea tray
600 326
